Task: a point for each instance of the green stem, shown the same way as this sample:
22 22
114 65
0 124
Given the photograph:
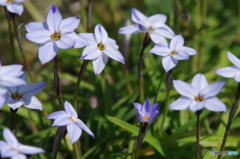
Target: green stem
13 113
197 154
232 113
57 83
158 89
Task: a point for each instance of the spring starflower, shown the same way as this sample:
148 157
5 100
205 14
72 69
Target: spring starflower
146 113
54 34
154 25
231 71
173 52
70 119
11 148
13 6
198 94
99 48
24 95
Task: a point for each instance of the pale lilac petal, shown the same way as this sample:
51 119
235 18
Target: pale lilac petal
212 89
156 38
11 81
181 56
25 149
176 43
137 106
112 42
148 107
169 63
19 156
74 132
153 116
214 104
164 31
100 34
137 16
32 88
99 63
68 25
47 51
155 107
11 70
23 77
32 102
39 37
91 52
14 104
237 77
185 89
62 121
3 99
54 19
9 137
15 8
228 72
8 152
79 41
12 90
189 50
19 1
161 51
3 145
36 26
233 59
89 37
69 109
157 18
3 3
181 103
199 82
132 29
195 106
113 53
65 42
84 127
56 114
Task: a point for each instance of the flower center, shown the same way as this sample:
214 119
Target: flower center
72 119
16 96
10 1
100 46
198 99
146 118
173 53
56 36
14 149
150 29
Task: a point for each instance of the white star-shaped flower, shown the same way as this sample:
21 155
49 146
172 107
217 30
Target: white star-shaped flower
13 6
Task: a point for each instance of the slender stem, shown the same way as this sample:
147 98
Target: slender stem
197 154
145 43
158 89
232 113
13 112
165 111
57 83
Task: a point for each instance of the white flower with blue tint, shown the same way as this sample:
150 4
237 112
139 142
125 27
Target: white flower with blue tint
13 6
70 119
198 95
231 71
24 95
99 48
173 52
11 148
154 25
54 34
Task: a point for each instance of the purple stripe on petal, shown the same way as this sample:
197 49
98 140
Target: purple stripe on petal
162 28
99 28
140 27
77 17
54 8
135 15
83 56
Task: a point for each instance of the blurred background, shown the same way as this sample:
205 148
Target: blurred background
210 27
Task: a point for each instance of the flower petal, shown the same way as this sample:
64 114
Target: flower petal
15 8
9 137
68 25
157 18
100 34
89 37
19 156
65 42
25 149
39 36
212 89
79 41
74 132
84 127
11 81
161 51
70 110
47 51
137 16
91 52
181 103
100 63
131 29
8 152
237 77
156 38
32 88
36 26
54 19
181 55
62 120
228 72
214 104
233 59
14 104
137 106
113 53
199 82
3 99
196 106
32 102
185 89
189 50
176 43
56 114
169 63
11 70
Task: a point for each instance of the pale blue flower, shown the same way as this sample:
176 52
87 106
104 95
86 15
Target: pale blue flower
13 149
198 94
13 6
70 119
54 34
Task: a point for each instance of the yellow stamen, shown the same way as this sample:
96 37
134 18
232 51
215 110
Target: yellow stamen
173 53
16 96
72 119
150 29
146 118
56 36
198 99
100 46
10 1
14 149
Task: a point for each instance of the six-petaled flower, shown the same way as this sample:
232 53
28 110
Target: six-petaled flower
13 6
